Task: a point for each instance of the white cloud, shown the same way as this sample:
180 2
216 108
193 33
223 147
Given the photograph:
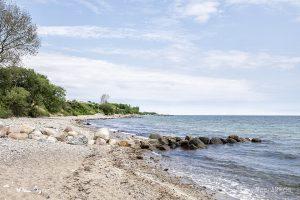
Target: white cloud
106 32
268 2
88 79
240 59
200 10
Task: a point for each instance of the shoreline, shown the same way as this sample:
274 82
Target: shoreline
41 170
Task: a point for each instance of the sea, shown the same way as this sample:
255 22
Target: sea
267 170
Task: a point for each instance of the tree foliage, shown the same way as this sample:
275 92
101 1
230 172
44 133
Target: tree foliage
18 35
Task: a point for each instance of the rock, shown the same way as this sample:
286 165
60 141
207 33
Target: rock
13 129
55 133
188 137
51 139
197 143
184 144
77 140
231 141
26 129
247 139
100 141
91 142
256 140
72 133
3 131
215 140
102 133
144 145
37 135
154 136
163 147
235 137
205 140
163 140
18 136
124 143
172 142
242 139
68 129
178 139
193 147
224 140
139 157
112 142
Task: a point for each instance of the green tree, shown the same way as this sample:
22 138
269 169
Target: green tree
17 100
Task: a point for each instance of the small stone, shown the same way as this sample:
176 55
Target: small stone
112 142
26 129
72 133
124 143
51 139
68 129
91 142
77 140
139 157
100 141
18 136
102 133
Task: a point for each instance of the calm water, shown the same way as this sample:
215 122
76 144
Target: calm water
270 170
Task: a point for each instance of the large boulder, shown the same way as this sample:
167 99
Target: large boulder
77 140
91 142
205 140
163 147
163 141
144 145
13 129
26 129
235 137
68 129
37 135
256 140
154 136
51 139
184 144
215 140
18 136
102 133
72 133
231 140
53 132
197 143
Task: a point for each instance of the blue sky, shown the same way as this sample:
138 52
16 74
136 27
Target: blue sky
173 56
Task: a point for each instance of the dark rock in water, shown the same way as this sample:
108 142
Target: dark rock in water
163 140
144 145
215 140
247 139
163 147
188 137
231 141
256 140
77 140
154 136
184 144
205 140
173 143
193 147
242 139
178 139
235 137
223 140
197 143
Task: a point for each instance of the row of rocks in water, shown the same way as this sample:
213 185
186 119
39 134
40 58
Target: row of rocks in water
192 143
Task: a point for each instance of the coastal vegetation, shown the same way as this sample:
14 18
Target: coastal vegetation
23 92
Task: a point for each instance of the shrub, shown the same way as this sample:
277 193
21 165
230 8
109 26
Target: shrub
17 101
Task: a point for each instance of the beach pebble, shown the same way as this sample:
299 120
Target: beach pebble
26 129
91 142
51 139
100 141
112 142
102 133
77 140
18 136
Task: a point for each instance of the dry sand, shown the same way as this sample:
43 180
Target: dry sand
31 169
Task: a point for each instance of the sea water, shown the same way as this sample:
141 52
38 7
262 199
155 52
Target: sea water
267 170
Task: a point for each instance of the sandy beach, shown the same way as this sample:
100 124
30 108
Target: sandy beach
32 169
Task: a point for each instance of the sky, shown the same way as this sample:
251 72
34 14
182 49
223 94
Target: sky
229 57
